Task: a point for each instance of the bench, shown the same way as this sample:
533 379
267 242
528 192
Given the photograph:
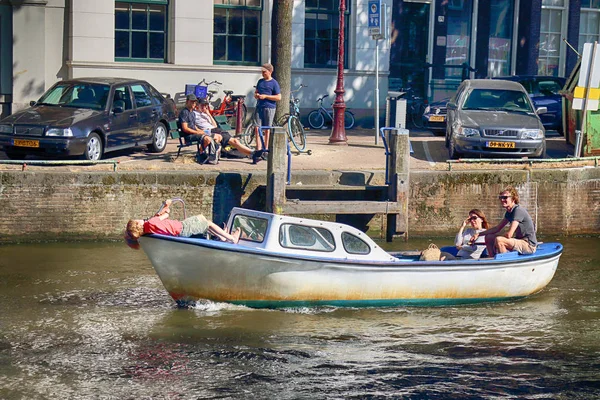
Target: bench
175 132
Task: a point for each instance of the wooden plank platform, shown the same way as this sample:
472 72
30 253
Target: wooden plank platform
340 207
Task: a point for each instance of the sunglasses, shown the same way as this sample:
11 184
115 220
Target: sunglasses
503 197
473 218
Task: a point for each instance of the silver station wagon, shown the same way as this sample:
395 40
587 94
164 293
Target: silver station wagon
494 118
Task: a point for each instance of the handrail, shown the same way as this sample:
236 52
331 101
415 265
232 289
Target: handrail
519 160
59 162
174 200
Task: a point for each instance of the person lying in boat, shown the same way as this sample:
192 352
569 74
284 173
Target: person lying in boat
521 232
477 223
161 224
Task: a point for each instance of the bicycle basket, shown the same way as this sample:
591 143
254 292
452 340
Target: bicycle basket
199 90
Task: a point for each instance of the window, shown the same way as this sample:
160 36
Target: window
500 41
321 33
589 26
253 229
306 237
551 32
354 244
122 99
237 32
141 96
141 30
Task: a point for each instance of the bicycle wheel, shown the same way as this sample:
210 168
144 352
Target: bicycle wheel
348 119
296 133
249 136
232 117
283 120
316 119
417 115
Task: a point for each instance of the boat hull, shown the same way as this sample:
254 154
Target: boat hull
194 269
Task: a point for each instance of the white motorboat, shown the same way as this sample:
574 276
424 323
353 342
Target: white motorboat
283 261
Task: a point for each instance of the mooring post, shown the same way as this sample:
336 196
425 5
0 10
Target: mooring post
276 170
398 189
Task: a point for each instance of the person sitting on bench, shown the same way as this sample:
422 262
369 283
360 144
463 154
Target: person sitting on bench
205 121
187 121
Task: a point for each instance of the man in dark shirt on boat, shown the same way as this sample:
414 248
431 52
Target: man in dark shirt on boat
521 232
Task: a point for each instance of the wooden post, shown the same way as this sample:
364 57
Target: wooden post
276 170
398 178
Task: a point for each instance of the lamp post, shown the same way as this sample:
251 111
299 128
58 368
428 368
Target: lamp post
338 131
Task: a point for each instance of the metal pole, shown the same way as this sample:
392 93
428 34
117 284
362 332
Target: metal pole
579 144
338 132
376 91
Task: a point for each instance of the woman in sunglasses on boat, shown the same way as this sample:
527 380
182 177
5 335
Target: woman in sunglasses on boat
477 223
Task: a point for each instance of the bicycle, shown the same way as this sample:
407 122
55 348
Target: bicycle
228 105
316 118
415 107
295 129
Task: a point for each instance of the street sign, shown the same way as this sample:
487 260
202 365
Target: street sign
589 80
375 17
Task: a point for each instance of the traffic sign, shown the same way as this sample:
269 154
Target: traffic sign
375 17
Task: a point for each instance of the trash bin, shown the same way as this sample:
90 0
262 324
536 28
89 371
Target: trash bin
395 110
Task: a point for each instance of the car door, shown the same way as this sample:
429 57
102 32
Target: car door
546 94
123 120
148 111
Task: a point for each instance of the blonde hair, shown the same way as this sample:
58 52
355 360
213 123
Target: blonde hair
135 229
513 193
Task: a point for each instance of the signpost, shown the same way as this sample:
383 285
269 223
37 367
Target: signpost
587 93
376 32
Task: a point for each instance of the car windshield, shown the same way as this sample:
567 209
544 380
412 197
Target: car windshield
79 95
497 100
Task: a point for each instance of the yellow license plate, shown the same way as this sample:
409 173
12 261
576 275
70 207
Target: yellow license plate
437 118
26 143
501 145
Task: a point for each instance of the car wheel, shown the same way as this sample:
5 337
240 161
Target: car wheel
453 154
93 148
14 155
159 138
543 152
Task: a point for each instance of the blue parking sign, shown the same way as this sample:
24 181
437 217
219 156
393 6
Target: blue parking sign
374 17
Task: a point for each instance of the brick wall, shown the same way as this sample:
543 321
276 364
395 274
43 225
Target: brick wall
54 205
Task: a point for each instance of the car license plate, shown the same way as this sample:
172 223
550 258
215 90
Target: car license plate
501 145
26 143
437 118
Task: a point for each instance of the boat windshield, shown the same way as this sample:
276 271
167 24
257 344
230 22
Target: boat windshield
253 229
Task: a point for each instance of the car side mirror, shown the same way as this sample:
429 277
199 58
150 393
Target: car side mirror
451 106
32 103
541 110
117 109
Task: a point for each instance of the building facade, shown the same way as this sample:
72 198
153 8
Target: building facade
429 45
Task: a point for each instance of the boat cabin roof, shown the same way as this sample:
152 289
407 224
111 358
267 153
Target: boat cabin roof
303 236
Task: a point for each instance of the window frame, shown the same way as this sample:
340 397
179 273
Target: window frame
243 35
148 31
333 40
549 7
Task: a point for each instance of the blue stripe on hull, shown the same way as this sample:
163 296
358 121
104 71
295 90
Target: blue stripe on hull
371 303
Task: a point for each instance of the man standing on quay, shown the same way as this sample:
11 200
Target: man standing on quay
267 94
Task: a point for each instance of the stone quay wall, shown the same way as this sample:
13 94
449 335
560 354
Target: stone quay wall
48 205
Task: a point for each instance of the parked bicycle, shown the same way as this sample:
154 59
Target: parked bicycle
317 118
295 129
291 121
228 105
415 107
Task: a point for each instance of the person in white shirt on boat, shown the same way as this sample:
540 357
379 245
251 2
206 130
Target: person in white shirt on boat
478 223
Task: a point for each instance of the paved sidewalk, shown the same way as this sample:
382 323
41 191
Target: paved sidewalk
361 153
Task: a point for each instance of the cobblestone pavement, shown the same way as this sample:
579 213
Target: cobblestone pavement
360 153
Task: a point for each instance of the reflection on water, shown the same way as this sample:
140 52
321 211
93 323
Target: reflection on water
93 321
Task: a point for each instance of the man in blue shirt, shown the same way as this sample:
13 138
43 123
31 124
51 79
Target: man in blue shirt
267 94
187 121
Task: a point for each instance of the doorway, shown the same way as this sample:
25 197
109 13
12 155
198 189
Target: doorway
410 46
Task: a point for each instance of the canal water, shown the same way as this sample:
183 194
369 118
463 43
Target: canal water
92 321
